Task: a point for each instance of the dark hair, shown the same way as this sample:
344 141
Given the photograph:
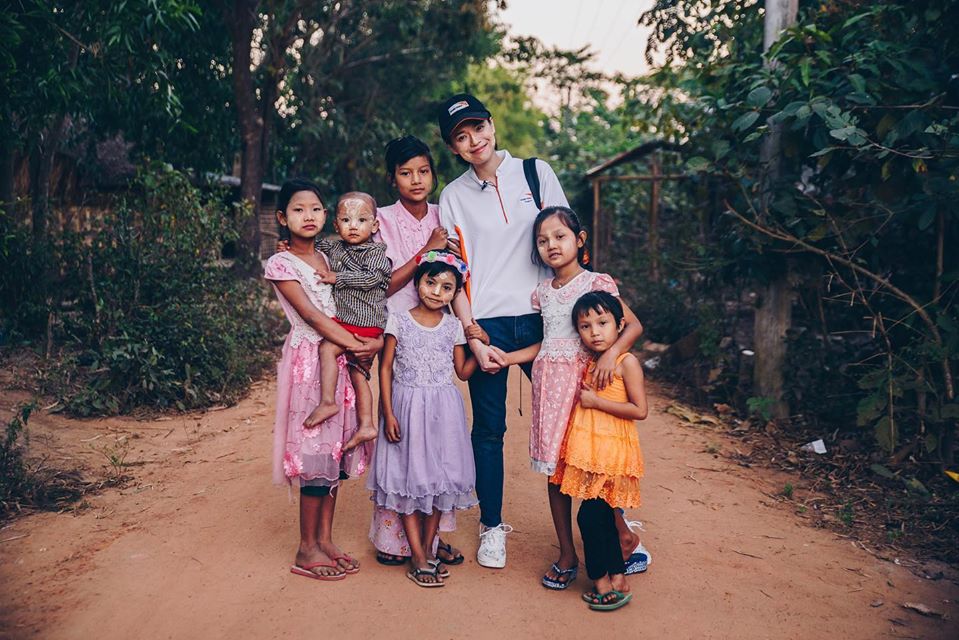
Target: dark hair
598 301
568 218
293 186
434 269
287 191
400 150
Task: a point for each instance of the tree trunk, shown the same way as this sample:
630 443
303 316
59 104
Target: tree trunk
8 152
241 21
774 315
40 179
772 321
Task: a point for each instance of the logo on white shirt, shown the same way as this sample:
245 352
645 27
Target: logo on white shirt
459 106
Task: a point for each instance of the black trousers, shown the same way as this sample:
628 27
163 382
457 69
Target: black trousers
597 525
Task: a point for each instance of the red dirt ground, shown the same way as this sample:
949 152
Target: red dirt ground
198 544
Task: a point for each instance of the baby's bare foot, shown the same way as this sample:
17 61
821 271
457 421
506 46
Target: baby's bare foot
363 434
321 414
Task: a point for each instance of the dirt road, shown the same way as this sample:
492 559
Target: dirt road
199 545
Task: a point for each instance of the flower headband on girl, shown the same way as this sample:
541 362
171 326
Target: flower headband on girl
447 258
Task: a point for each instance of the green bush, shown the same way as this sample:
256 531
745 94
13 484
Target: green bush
14 479
146 315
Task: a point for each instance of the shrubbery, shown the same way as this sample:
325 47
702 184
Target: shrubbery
140 311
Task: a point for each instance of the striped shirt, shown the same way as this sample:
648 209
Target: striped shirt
362 276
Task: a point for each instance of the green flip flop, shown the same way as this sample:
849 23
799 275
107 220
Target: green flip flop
620 600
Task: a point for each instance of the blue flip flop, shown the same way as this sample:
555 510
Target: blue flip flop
638 561
557 584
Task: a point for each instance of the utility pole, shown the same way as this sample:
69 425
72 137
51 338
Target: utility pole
773 316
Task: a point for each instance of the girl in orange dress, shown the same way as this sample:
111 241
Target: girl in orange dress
600 460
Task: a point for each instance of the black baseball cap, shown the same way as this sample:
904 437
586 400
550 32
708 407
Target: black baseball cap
458 108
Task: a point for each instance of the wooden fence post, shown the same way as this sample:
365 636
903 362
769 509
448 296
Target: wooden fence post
597 224
653 247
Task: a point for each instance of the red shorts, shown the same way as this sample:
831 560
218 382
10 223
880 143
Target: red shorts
363 332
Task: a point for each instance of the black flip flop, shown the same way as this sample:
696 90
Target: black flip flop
395 561
448 550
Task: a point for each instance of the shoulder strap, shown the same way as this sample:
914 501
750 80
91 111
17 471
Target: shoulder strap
532 179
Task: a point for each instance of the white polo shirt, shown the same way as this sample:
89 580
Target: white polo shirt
494 224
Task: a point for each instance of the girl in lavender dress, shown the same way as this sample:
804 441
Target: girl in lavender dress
559 362
312 460
423 463
409 227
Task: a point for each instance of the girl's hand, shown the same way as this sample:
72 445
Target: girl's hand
502 355
391 427
368 348
475 332
488 360
587 397
604 370
453 246
326 277
437 240
282 246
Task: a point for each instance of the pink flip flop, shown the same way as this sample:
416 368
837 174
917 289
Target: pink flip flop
306 572
353 568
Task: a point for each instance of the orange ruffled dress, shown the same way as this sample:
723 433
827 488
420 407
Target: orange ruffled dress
600 456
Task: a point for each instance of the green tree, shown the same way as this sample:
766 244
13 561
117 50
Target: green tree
860 205
68 66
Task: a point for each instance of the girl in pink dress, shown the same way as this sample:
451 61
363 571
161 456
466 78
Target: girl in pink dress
410 227
559 242
312 459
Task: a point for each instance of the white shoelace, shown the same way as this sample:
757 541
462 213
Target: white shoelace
634 525
501 529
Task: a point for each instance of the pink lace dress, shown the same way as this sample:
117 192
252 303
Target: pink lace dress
310 456
559 366
404 236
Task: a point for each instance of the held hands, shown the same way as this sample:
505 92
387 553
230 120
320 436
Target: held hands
587 397
487 359
391 427
502 356
475 332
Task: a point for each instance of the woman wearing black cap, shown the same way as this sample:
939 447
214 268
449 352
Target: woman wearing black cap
489 211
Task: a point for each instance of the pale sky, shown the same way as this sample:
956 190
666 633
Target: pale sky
608 26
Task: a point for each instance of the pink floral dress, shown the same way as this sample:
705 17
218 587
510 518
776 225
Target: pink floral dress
559 366
309 456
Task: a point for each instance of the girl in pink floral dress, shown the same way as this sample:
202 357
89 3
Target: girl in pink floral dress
559 242
313 460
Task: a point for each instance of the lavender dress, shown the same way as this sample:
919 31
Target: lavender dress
431 467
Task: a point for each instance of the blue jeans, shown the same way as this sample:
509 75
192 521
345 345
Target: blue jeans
488 399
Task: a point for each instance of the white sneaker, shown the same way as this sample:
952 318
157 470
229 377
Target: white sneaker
492 549
640 559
